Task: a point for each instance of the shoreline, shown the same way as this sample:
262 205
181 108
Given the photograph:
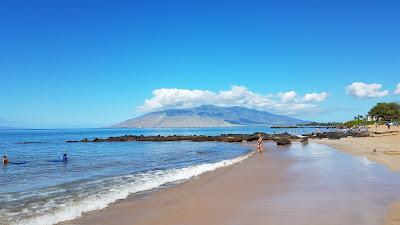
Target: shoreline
179 204
170 178
382 147
229 195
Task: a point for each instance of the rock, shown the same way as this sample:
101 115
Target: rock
361 134
330 135
98 140
233 138
282 141
286 135
304 140
334 135
321 135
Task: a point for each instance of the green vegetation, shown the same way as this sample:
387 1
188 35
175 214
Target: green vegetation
316 124
386 111
380 113
357 122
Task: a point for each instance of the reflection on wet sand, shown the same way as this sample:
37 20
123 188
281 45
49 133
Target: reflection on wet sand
329 187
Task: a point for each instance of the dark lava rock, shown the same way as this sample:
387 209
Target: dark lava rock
361 134
282 141
304 140
286 135
338 135
334 135
331 135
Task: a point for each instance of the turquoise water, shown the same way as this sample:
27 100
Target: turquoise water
41 191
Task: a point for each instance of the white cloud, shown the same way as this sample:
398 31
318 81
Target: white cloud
284 102
172 97
397 91
315 97
363 90
287 97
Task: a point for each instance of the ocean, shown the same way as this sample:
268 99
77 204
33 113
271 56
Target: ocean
42 190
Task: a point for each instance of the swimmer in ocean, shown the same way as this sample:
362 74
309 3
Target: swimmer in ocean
65 158
5 160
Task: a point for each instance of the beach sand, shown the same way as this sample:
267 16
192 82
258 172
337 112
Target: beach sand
393 217
276 187
386 144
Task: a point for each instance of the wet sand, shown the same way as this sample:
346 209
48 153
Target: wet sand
383 147
310 184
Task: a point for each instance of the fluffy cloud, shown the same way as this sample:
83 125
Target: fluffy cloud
284 102
363 90
315 97
397 91
172 97
286 97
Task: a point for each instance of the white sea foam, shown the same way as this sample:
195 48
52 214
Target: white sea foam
142 182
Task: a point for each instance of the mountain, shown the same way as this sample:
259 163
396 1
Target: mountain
208 116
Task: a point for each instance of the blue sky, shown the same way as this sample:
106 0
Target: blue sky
93 63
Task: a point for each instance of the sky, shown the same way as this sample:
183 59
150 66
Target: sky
67 64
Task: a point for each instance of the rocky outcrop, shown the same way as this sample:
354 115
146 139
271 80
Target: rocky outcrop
339 134
361 134
280 139
304 140
330 135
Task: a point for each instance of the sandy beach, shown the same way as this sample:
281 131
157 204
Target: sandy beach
281 186
385 142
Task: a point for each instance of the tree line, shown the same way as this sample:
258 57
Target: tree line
381 113
387 111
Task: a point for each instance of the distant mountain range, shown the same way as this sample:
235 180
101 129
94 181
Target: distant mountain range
208 116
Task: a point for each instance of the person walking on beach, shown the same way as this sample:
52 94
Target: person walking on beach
5 160
260 144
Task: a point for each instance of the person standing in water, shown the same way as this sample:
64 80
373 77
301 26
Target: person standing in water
260 144
65 158
5 160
